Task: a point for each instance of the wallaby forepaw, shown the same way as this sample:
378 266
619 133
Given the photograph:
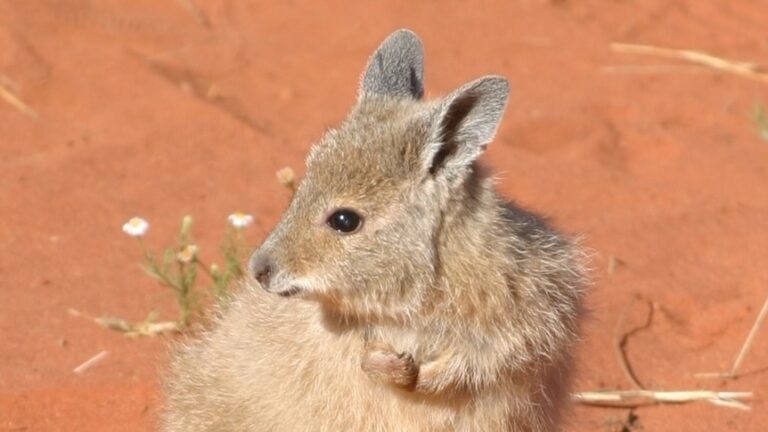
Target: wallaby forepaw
384 365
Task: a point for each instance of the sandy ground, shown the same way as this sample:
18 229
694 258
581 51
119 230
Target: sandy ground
147 107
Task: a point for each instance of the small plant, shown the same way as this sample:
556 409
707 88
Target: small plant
761 120
178 266
233 251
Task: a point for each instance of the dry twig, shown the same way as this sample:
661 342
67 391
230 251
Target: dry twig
10 97
644 397
636 398
148 327
653 69
745 69
733 373
90 362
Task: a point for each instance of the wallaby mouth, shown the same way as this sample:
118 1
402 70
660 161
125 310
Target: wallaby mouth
290 292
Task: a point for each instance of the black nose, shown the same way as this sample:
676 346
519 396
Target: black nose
261 267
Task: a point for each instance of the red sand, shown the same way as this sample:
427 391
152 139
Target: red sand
144 109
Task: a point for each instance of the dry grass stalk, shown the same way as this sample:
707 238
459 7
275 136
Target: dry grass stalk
10 97
653 69
745 69
90 362
153 328
745 347
148 327
636 398
644 397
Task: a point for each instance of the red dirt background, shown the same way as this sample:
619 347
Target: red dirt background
147 107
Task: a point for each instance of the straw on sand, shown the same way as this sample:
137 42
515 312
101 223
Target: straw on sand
745 69
745 347
641 396
10 97
635 398
90 362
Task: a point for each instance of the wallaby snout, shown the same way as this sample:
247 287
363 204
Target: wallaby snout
260 266
263 268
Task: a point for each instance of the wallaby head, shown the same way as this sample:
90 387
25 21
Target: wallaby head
362 231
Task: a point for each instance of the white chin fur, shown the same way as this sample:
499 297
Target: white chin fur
288 287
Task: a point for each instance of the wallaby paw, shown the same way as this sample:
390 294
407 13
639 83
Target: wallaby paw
384 365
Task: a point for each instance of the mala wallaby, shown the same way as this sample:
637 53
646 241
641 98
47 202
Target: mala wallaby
398 292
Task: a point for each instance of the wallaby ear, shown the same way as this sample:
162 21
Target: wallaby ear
396 68
463 124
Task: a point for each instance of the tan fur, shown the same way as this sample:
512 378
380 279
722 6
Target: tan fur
449 310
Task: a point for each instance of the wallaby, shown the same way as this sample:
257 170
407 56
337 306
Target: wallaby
398 292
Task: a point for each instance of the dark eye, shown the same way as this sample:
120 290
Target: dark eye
345 221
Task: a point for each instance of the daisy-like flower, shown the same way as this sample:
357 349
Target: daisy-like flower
187 254
240 220
136 227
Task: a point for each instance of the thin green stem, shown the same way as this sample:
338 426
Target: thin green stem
150 259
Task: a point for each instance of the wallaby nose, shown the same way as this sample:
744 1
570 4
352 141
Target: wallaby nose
261 267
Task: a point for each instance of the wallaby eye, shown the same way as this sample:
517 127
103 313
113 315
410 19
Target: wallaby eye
345 221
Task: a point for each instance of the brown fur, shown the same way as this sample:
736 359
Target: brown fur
449 310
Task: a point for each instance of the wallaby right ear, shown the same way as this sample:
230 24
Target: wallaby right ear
464 123
396 69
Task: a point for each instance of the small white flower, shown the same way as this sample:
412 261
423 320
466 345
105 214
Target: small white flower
187 254
136 227
240 220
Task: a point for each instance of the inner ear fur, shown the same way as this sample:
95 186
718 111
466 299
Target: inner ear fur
465 122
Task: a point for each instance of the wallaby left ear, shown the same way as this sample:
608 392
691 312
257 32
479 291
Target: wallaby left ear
396 68
465 122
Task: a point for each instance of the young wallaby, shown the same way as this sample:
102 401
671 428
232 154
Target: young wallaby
399 292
